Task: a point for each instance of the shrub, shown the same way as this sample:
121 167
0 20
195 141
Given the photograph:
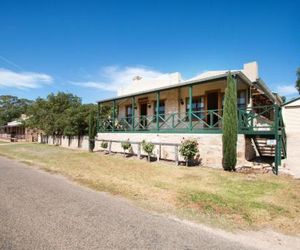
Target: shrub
92 131
126 146
230 125
104 144
188 149
148 148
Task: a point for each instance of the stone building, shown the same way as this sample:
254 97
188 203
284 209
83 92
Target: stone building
168 110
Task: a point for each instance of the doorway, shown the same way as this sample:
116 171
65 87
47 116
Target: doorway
143 115
212 104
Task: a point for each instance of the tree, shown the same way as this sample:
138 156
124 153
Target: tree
78 120
298 80
12 107
92 130
63 114
56 115
230 125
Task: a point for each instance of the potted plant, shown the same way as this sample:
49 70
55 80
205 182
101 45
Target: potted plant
148 148
188 149
104 145
126 146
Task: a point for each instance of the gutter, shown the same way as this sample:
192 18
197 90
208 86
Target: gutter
290 101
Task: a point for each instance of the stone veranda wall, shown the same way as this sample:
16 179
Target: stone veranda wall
210 145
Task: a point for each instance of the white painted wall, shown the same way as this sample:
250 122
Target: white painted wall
291 118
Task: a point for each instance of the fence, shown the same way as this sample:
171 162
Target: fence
74 142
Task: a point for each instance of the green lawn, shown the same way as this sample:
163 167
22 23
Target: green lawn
215 197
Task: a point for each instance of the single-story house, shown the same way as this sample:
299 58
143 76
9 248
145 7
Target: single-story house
16 131
169 109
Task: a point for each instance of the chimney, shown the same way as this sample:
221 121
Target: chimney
251 71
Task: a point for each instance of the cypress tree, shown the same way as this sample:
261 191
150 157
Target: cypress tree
92 131
230 125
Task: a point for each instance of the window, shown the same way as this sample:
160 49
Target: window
161 110
197 106
129 114
241 99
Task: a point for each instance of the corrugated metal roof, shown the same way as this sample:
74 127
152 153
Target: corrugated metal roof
220 75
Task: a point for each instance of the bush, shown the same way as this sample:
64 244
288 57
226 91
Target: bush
148 148
104 144
92 131
188 149
126 146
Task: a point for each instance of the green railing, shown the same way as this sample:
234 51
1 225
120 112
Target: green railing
260 119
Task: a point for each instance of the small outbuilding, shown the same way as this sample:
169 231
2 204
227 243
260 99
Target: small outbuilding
291 117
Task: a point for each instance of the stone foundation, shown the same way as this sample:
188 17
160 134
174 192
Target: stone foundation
210 145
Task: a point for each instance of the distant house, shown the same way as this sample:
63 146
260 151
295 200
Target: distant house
16 131
168 109
291 115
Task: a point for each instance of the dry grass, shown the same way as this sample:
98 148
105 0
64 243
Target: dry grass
227 200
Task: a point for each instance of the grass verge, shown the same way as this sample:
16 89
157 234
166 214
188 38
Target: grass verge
215 197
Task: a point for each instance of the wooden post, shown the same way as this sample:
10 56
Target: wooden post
114 115
157 110
176 155
277 153
139 151
190 105
158 152
109 147
132 112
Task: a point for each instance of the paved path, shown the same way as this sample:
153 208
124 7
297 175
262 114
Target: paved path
43 211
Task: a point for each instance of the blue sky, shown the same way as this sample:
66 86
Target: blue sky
86 47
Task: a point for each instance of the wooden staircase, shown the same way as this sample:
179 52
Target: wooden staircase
265 150
254 125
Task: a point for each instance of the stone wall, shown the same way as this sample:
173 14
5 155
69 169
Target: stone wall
210 145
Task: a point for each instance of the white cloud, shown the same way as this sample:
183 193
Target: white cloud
287 90
114 77
23 80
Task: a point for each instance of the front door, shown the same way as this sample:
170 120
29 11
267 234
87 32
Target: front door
143 115
212 105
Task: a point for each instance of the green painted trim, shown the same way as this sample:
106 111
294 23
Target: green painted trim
190 106
291 101
133 112
167 131
114 115
157 109
276 160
